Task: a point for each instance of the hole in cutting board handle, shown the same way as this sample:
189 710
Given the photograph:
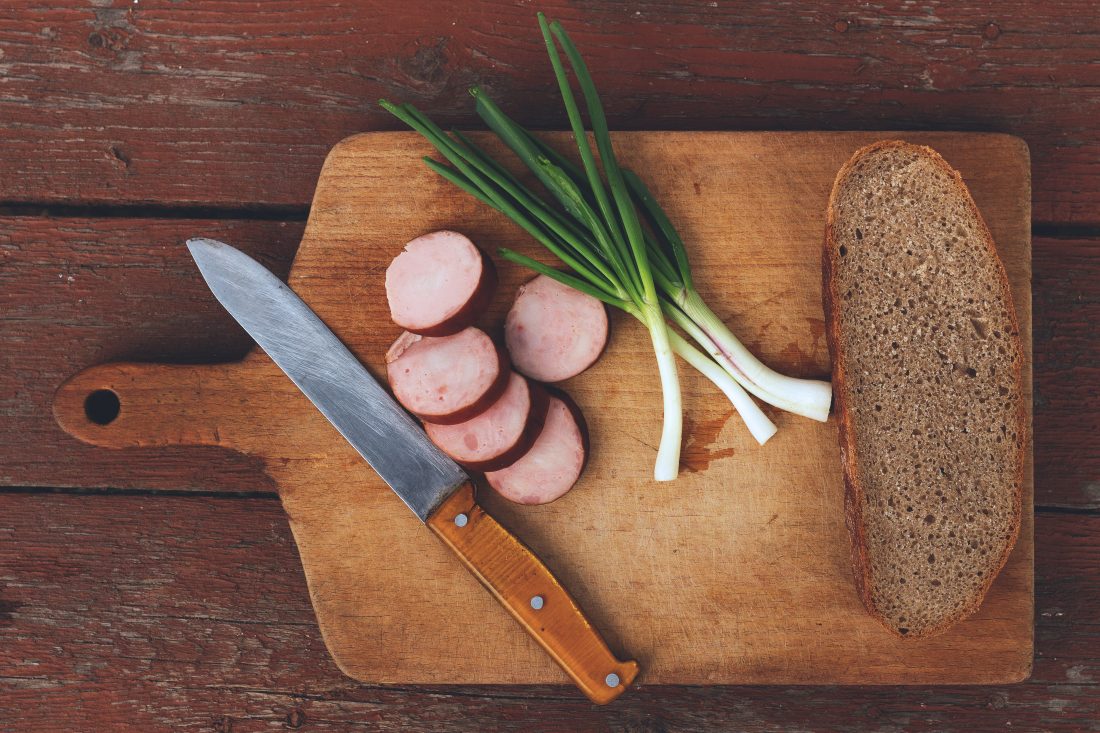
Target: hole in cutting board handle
102 406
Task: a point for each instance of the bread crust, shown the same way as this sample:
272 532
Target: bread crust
854 493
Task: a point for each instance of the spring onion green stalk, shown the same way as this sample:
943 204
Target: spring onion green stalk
596 229
668 452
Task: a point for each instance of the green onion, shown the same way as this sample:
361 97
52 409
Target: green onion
597 230
807 397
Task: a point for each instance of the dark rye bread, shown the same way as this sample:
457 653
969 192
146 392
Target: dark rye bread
927 376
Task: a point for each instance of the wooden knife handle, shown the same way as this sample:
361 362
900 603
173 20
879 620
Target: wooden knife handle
524 586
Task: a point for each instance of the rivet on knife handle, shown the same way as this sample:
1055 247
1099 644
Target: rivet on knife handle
533 596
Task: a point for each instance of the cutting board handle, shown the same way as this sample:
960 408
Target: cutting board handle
534 597
127 405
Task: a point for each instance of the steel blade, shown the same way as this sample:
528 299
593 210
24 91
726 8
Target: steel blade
329 375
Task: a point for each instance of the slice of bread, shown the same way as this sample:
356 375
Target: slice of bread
927 376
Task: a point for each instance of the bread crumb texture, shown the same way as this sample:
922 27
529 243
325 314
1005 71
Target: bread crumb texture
932 363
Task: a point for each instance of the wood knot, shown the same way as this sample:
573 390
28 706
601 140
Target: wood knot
119 157
295 718
841 25
426 68
991 32
7 610
110 39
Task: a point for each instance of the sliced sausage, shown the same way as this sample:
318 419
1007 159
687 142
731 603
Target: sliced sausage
555 461
502 434
440 284
554 332
446 379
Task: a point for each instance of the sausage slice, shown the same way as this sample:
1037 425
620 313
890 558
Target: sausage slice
446 379
502 434
440 284
555 461
554 332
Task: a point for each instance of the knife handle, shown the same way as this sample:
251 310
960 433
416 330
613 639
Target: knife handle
534 597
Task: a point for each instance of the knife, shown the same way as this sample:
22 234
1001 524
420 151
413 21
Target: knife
430 483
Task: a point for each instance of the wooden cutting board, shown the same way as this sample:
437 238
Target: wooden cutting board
737 572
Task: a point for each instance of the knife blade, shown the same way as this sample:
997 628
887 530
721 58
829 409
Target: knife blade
329 375
426 480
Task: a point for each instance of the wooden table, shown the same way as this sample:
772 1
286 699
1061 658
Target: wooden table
155 589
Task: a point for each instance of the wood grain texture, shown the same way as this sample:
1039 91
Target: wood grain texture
516 578
1066 297
782 531
235 103
78 292
137 613
151 620
135 294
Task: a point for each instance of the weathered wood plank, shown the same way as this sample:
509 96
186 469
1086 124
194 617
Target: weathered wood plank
79 292
233 103
191 614
1066 352
99 101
